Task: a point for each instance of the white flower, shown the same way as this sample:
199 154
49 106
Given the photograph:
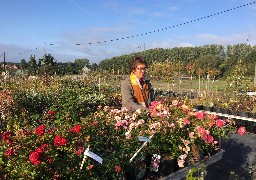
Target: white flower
138 111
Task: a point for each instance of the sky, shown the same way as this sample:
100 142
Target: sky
101 29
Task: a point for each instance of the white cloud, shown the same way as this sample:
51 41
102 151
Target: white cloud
173 8
253 7
224 40
136 10
113 5
67 50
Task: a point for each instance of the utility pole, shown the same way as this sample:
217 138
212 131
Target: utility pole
4 63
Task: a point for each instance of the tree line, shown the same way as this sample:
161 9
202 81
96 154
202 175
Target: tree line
48 65
209 60
215 60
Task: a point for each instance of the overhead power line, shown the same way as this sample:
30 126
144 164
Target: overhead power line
154 31
198 19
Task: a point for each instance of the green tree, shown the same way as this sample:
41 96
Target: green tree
32 65
23 64
210 64
48 66
94 66
69 68
79 64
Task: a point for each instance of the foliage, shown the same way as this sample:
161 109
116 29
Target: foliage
32 65
32 98
51 121
213 59
54 148
47 65
81 63
196 173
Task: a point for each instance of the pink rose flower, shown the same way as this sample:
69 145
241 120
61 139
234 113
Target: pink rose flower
118 169
186 121
91 166
220 123
80 151
241 131
200 115
210 139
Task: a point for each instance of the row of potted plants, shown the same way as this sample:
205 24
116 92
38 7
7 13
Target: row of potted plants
227 103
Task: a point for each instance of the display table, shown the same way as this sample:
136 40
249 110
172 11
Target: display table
229 116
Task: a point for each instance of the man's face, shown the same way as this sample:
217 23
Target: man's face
140 71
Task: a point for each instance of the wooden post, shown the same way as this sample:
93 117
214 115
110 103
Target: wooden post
199 85
99 83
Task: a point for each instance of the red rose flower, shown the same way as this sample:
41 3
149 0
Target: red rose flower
34 157
58 140
40 130
44 146
6 137
95 123
9 152
77 128
62 142
51 112
39 150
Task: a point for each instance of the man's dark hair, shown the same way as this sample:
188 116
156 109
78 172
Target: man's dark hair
136 61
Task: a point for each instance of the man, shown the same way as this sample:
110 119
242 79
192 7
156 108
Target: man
136 91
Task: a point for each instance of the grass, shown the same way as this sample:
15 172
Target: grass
193 85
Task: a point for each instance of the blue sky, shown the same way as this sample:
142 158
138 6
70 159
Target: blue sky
32 27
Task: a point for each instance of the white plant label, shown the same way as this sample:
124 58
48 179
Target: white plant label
93 156
143 139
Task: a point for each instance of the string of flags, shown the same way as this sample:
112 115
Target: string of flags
154 31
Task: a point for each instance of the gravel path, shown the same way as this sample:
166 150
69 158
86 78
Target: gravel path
238 161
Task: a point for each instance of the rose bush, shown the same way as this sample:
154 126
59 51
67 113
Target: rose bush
51 123
24 102
54 149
